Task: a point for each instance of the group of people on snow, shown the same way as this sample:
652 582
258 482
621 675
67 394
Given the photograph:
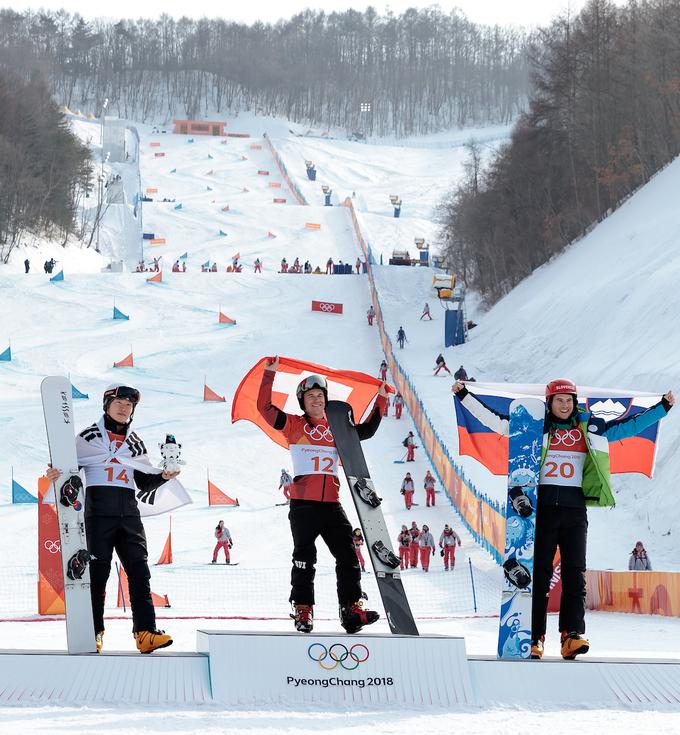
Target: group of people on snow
417 544
116 466
408 489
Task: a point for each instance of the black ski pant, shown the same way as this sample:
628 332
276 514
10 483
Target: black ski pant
126 535
310 519
566 528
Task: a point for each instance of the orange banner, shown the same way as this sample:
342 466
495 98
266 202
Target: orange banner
50 574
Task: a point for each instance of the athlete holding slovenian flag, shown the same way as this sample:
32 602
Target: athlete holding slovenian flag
575 473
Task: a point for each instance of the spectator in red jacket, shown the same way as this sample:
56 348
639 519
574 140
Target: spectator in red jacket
407 490
404 542
429 484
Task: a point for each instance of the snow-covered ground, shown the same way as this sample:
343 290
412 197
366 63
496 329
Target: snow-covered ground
602 314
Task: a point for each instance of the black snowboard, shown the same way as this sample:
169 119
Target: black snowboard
399 615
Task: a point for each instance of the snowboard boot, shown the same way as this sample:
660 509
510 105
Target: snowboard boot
573 645
149 640
537 648
99 641
304 622
214 561
353 617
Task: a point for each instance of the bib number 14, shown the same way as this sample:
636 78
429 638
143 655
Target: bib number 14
122 476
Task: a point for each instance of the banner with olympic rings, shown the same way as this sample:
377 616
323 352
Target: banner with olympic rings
327 307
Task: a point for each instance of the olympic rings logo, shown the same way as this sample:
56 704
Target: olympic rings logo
338 655
566 437
324 306
52 546
319 433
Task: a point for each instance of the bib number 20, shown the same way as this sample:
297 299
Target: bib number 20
563 469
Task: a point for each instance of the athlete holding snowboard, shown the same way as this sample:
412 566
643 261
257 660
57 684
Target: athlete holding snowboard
315 508
574 474
116 466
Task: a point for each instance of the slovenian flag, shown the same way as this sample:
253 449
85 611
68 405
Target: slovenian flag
636 454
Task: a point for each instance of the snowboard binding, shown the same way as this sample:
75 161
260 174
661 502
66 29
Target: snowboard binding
69 492
171 452
387 557
77 564
520 501
517 574
366 493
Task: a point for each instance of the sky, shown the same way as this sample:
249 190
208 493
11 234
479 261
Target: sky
522 12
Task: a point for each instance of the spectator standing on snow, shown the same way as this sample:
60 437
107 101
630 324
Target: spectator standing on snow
284 265
447 543
27 265
258 265
224 542
426 543
639 561
383 370
410 444
358 539
460 374
429 484
415 547
407 490
401 337
426 313
370 315
441 364
357 265
329 267
285 484
404 542
398 405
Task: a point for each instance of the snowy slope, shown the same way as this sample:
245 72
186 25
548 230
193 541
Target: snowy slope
176 341
602 314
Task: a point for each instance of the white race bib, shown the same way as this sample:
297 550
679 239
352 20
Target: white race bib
310 459
563 468
109 474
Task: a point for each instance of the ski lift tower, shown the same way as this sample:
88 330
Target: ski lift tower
452 297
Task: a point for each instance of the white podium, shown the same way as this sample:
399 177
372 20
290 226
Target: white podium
289 668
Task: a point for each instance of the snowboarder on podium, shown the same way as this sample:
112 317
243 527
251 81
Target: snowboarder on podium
574 473
112 519
315 508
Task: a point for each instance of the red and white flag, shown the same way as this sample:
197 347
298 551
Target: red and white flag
358 389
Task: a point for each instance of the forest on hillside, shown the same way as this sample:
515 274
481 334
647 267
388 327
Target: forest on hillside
603 117
421 71
45 171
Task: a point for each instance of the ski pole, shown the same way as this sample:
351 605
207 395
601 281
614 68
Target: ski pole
400 461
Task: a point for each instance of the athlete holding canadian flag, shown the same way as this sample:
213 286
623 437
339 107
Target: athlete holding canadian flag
574 474
315 508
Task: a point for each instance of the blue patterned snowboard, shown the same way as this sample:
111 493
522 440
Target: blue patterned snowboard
524 459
